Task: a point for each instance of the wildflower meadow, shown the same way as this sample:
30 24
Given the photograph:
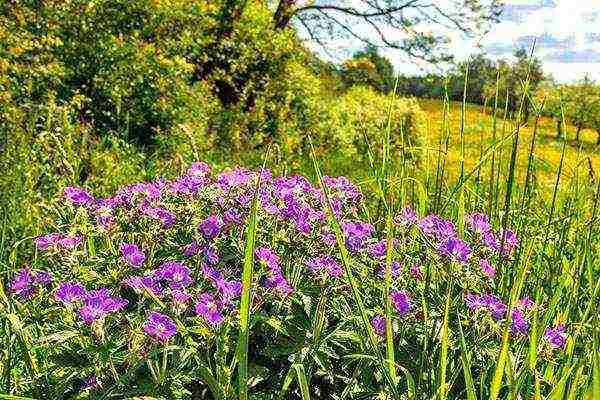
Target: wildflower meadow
197 204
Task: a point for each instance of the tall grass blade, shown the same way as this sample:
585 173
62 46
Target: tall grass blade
445 345
242 346
346 263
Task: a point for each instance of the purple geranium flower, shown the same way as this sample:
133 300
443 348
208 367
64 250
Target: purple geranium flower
162 214
487 268
132 254
478 223
407 216
68 292
526 303
395 267
160 327
415 271
42 278
210 227
144 283
455 249
70 242
556 336
45 241
98 304
378 249
23 284
209 308
509 241
401 302
191 249
210 253
519 325
78 196
174 272
378 323
437 227
325 263
356 233
488 302
199 168
268 256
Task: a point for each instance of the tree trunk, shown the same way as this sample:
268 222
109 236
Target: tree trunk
598 139
283 14
559 132
578 134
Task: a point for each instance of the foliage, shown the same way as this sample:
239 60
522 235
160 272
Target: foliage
368 67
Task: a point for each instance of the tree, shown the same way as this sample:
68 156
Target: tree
368 67
580 102
518 81
398 24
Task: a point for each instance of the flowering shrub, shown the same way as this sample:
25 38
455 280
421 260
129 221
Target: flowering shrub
138 293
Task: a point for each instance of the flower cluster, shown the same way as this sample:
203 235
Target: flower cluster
25 283
174 252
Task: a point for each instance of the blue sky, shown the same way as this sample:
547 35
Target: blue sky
567 32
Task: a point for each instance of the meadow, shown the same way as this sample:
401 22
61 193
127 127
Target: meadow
177 224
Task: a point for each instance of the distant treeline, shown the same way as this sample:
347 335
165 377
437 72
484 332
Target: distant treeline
516 87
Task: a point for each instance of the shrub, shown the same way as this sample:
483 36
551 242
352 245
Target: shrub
362 114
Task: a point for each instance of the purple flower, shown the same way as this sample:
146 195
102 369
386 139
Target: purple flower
478 223
378 249
437 227
98 304
180 297
91 382
211 255
490 241
132 254
78 196
177 274
268 256
491 303
556 336
401 302
42 278
199 168
275 278
191 249
209 308
165 216
146 283
487 268
187 184
328 238
356 233
68 292
22 284
160 327
210 227
519 325
378 323
45 241
325 263
455 249
228 290
509 242
232 216
70 242
407 216
396 269
526 303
